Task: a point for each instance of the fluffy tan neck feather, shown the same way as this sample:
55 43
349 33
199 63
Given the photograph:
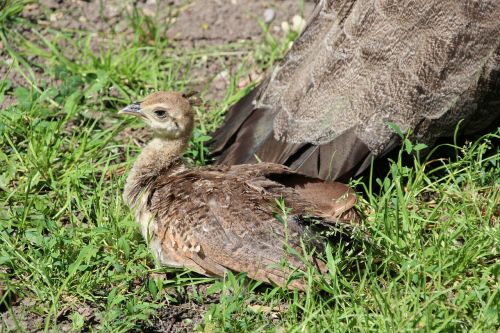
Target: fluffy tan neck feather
158 157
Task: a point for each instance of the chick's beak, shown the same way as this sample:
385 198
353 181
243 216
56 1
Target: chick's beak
133 109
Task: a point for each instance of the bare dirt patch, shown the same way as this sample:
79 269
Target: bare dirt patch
217 22
188 24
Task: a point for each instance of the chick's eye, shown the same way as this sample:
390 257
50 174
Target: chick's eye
160 113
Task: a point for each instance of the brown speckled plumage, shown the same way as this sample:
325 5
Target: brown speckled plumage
323 110
214 219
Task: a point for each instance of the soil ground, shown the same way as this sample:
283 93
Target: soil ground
189 24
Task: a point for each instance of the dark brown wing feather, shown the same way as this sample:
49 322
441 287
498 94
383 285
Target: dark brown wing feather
218 219
324 108
234 119
248 137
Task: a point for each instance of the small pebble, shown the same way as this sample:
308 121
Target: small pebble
269 15
285 27
298 23
54 17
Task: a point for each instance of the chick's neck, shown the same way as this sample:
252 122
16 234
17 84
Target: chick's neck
159 157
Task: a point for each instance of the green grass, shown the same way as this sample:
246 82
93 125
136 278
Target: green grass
68 242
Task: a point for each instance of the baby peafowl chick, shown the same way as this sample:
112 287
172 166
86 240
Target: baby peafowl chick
220 218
